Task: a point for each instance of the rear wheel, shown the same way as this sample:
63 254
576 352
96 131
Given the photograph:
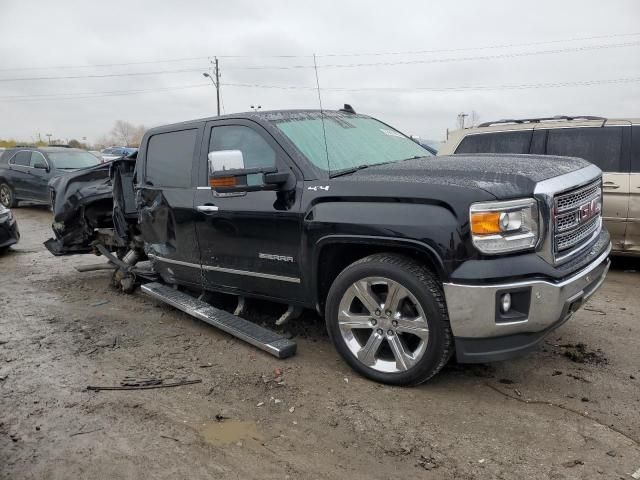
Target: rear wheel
387 318
7 197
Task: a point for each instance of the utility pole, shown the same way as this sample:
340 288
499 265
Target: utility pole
461 117
217 86
48 135
215 79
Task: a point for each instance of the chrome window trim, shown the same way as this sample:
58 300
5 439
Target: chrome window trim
43 157
545 192
10 161
227 270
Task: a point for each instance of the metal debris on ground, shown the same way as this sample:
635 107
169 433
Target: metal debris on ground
143 384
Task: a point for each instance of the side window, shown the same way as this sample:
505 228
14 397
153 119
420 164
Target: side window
500 142
635 148
601 146
255 149
22 158
169 159
36 157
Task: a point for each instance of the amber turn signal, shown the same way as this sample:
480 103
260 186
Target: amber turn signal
222 182
485 223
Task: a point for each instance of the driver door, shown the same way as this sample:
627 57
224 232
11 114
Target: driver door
249 240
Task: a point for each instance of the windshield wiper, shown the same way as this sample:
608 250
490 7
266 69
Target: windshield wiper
347 171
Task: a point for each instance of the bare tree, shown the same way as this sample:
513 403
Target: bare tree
122 132
126 134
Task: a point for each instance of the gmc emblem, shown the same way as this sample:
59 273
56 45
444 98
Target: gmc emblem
589 210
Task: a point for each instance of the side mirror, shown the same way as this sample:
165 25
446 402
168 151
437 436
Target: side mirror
227 174
41 166
225 160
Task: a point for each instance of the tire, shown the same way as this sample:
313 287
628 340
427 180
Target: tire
7 196
391 345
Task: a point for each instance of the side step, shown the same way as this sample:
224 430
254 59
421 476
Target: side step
256 335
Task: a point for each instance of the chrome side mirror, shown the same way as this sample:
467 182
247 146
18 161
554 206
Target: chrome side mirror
225 160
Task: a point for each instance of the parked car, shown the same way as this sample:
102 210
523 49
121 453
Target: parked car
611 144
113 153
408 257
26 171
9 233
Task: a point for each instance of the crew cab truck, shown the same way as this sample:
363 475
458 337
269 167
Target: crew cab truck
409 258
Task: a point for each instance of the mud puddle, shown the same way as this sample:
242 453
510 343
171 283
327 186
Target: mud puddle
230 431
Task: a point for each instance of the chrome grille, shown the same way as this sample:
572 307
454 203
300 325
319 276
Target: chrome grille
575 222
566 221
574 237
572 200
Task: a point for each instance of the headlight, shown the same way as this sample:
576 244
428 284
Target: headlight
501 227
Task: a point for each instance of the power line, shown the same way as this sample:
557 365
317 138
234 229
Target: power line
340 65
439 60
524 86
77 95
82 95
103 65
360 54
105 75
485 47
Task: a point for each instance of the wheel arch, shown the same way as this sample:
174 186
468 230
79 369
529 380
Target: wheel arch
335 252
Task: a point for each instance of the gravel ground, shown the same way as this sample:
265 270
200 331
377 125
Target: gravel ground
569 410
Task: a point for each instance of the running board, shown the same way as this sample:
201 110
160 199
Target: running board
258 336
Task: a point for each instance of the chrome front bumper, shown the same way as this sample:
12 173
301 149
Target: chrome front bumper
472 308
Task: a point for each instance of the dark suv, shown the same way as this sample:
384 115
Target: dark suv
26 171
408 257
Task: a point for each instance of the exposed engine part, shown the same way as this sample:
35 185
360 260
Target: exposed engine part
131 257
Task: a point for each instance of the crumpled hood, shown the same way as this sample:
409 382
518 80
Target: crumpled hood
502 175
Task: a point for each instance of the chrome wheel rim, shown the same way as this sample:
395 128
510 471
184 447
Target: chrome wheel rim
5 196
383 325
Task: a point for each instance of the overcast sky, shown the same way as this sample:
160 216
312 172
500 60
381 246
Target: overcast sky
36 36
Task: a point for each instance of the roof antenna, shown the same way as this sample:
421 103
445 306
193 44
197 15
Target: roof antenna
324 132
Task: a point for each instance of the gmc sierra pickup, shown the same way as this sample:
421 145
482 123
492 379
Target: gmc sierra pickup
408 257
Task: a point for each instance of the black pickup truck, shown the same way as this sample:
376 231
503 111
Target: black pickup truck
408 257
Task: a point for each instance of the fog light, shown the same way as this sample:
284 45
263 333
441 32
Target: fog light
505 302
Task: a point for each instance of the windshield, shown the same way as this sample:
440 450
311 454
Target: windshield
352 140
73 160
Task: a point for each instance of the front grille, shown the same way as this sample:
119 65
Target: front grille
572 200
576 219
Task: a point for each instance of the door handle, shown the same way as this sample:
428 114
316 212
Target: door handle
611 185
207 208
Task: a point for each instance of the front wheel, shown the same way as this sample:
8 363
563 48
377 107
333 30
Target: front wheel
387 318
7 197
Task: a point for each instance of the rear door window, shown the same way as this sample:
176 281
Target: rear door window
22 158
169 158
601 146
517 141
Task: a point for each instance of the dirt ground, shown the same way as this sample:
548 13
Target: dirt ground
569 410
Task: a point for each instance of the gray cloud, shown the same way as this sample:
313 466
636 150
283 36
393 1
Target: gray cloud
43 34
